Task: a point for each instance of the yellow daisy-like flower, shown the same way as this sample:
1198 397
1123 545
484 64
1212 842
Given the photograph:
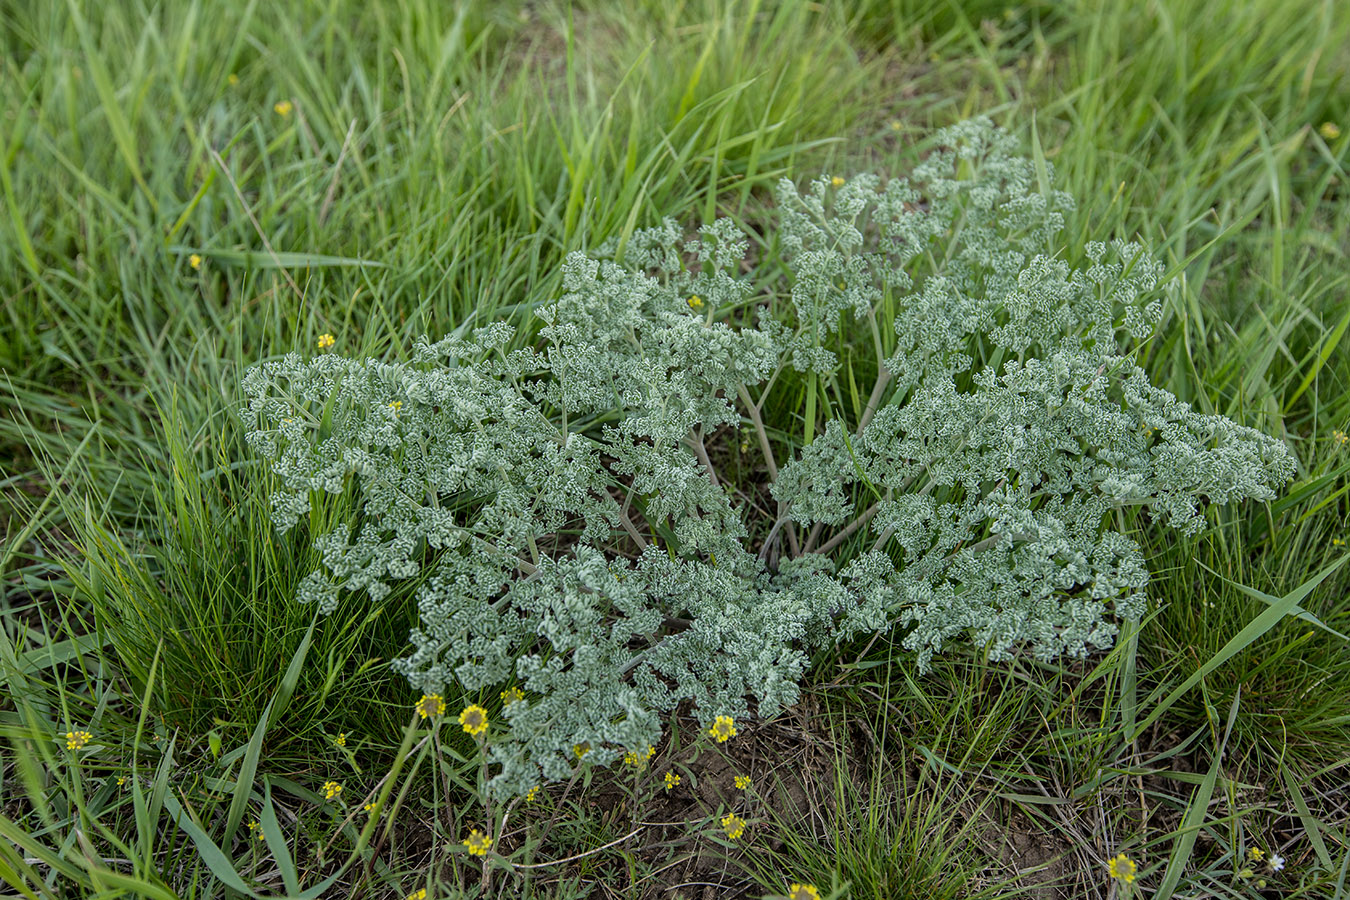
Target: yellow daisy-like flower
1122 868
195 261
733 825
1329 130
477 843
672 780
474 719
283 108
742 782
803 892
326 340
418 895
77 739
531 794
837 181
581 749
331 789
723 729
512 695
430 705
341 739
695 302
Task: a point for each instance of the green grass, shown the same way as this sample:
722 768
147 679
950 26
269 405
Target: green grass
435 167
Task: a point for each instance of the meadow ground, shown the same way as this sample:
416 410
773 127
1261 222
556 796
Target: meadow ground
191 187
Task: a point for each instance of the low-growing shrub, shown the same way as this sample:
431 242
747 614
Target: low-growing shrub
580 542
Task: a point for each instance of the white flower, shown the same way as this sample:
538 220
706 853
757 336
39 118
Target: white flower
1276 862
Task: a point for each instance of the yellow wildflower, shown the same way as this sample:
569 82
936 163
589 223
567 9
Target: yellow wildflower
232 78
372 807
341 739
418 895
283 108
512 695
639 760
742 782
723 729
430 705
77 739
195 261
895 125
696 302
1256 854
121 780
581 749
331 789
803 892
531 794
1340 436
326 340
1122 868
837 181
396 405
1329 130
474 719
256 829
478 843
733 825
672 780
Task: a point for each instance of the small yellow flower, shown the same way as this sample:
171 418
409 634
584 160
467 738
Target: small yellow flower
733 825
477 843
639 760
803 892
742 782
1122 868
232 78
283 108
581 749
418 895
121 780
326 340
77 739
696 302
256 829
195 261
1329 130
895 125
331 789
372 807
1338 542
1340 436
474 719
396 405
431 705
723 729
341 739
531 794
512 695
1256 854
837 181
672 780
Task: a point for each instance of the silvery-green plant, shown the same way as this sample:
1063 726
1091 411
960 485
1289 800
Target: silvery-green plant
555 489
